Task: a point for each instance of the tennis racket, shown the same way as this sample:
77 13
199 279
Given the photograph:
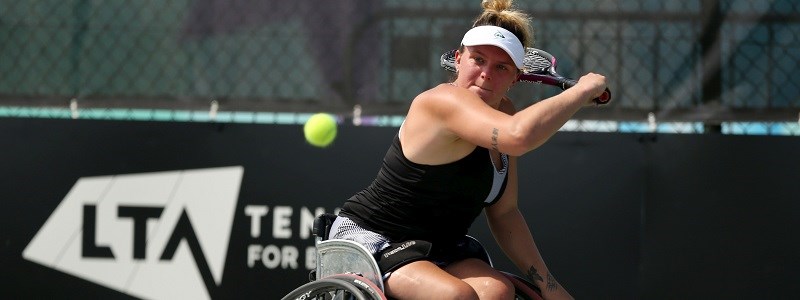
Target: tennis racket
539 67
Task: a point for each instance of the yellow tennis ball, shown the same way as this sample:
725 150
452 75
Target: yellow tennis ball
320 129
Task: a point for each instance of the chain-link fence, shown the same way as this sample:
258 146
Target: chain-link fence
707 62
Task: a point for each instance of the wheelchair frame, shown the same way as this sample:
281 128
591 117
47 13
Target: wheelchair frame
347 270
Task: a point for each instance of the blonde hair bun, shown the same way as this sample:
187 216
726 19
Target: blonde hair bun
501 13
496 5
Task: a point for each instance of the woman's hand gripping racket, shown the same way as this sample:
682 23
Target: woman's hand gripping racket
539 67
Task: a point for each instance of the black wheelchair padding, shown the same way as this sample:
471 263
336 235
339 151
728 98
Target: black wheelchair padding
322 225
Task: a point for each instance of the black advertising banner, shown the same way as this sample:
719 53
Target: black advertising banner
170 210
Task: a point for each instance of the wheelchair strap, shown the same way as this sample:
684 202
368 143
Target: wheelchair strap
402 253
440 253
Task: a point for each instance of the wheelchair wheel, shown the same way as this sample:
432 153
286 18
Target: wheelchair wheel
523 289
367 287
326 289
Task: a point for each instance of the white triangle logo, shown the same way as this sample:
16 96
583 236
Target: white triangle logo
160 235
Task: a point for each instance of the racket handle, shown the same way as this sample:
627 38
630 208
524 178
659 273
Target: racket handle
604 98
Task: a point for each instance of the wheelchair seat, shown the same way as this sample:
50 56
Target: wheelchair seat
337 256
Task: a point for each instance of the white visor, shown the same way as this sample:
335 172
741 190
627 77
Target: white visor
499 37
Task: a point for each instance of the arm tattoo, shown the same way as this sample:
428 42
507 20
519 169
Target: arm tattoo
533 276
552 285
495 132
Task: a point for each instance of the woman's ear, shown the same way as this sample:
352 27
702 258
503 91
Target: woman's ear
457 60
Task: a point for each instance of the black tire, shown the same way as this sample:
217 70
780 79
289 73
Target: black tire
327 288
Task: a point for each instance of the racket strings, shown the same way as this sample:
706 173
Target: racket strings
448 60
535 63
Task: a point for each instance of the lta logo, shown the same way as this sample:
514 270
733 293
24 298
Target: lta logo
155 235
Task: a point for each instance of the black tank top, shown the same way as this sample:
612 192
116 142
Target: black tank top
428 202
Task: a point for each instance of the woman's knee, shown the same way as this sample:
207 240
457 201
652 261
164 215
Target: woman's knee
487 282
496 288
461 291
423 279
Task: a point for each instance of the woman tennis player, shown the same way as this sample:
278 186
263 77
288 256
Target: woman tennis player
455 156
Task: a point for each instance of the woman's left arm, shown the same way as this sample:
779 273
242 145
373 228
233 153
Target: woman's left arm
514 237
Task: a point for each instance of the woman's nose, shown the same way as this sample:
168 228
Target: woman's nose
486 73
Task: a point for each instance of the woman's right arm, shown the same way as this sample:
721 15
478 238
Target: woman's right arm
467 117
535 124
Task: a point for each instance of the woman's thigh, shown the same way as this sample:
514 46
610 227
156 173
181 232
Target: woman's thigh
425 280
487 282
467 279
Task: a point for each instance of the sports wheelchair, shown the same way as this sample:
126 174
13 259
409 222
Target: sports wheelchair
346 270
